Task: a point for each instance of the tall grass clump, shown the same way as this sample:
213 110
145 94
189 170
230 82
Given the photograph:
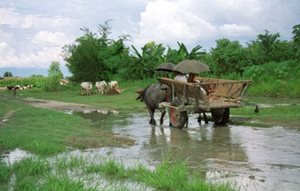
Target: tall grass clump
36 81
5 173
275 79
52 83
57 182
29 171
166 176
109 168
31 167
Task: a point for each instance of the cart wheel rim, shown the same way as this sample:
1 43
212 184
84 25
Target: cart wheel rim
173 118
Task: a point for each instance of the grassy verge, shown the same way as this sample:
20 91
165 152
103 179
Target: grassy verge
284 114
71 174
46 132
126 100
278 112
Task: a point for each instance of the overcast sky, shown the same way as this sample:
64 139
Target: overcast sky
32 32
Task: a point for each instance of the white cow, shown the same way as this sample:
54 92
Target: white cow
101 86
86 88
113 84
113 88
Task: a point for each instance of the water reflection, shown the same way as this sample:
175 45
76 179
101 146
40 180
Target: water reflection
251 158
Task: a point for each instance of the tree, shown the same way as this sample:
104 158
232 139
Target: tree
296 40
228 56
143 64
7 74
95 57
182 53
267 45
54 70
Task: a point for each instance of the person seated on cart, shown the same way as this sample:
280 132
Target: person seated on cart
180 77
191 78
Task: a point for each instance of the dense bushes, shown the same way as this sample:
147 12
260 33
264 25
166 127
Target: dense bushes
37 81
277 79
93 56
44 83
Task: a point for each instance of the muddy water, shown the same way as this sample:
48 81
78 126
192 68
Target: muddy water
250 158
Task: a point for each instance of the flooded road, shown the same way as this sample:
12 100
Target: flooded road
249 157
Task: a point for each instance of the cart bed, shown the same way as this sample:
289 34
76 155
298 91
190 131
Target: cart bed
208 94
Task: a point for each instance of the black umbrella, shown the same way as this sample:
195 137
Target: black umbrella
167 67
191 66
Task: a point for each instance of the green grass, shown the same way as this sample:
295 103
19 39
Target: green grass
275 79
125 100
5 173
288 115
47 132
39 174
166 176
63 183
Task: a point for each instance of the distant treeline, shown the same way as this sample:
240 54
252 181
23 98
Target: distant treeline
94 56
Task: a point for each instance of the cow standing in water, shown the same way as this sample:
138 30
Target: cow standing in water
152 96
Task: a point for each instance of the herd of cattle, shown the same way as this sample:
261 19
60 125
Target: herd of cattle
102 87
16 88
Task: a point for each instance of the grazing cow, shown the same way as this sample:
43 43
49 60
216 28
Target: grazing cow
14 89
113 84
86 88
113 88
64 82
101 86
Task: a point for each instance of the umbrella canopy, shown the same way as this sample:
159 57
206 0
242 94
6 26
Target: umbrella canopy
168 67
191 66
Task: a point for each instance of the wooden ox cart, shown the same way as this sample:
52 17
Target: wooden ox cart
216 96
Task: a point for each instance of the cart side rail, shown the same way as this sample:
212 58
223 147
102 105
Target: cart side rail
187 92
224 88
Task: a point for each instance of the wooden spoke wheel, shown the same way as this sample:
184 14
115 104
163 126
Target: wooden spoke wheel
178 119
220 116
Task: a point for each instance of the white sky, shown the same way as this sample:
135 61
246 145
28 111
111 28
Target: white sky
33 32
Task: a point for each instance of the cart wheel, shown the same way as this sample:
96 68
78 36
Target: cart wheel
177 119
220 116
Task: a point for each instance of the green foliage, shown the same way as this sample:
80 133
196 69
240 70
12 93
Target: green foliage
52 83
54 70
37 81
274 79
228 57
296 40
62 182
94 57
5 173
7 74
29 126
166 176
143 65
182 53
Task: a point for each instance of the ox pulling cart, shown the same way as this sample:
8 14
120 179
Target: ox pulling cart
216 96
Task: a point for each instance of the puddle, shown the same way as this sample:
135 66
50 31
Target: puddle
250 158
14 156
247 157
